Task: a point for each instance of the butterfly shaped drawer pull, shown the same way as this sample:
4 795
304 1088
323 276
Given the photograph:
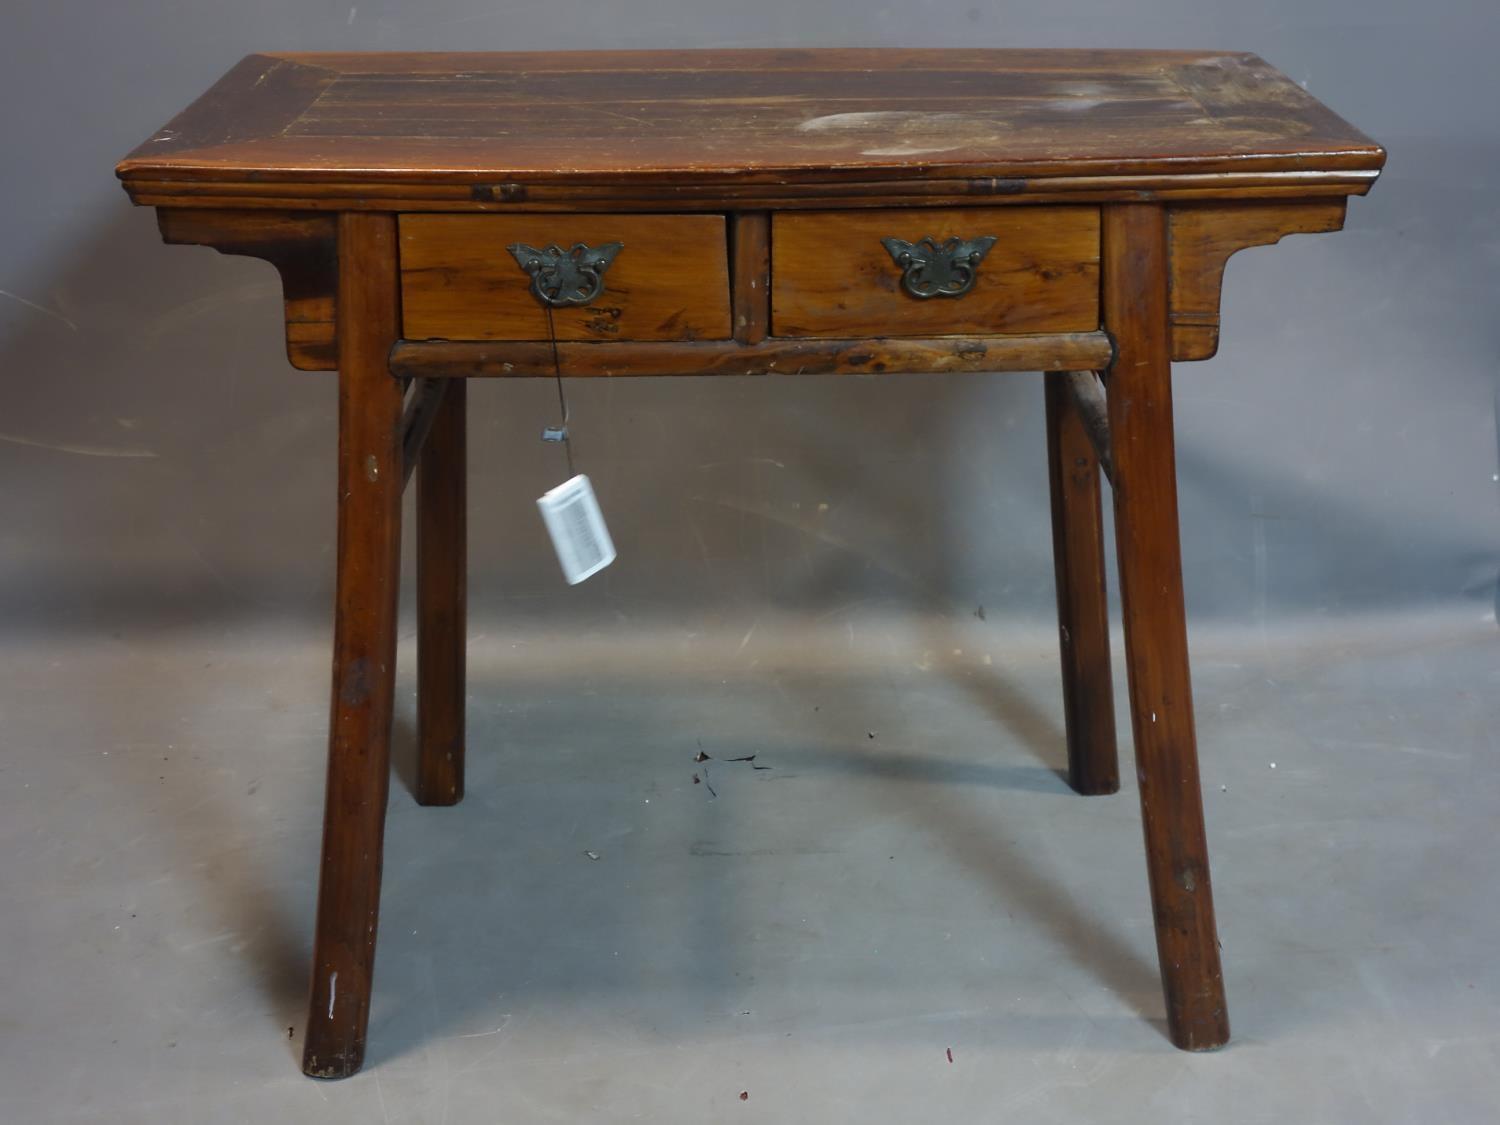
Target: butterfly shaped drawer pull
933 269
565 277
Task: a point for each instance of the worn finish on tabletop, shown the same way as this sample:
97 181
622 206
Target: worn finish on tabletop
751 191
808 121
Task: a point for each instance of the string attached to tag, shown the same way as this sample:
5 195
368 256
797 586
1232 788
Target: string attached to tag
571 510
558 433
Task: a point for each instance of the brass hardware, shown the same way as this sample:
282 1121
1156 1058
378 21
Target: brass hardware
932 270
565 277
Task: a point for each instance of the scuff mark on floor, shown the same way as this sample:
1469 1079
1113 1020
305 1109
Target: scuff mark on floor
43 309
79 450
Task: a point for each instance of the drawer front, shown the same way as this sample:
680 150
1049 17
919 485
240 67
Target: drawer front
833 275
669 280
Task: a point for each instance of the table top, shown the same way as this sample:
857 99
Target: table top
824 116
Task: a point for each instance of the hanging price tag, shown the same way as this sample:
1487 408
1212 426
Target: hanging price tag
576 525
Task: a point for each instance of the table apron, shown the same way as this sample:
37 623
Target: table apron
1070 351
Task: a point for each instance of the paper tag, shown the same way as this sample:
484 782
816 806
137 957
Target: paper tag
571 513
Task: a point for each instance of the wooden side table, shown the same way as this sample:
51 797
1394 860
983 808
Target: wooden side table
439 217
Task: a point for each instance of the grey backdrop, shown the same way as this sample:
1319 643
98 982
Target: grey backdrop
164 466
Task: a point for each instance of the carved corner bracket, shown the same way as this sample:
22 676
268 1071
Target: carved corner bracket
303 246
1201 238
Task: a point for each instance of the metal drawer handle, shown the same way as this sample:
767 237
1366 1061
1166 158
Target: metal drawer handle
565 277
933 270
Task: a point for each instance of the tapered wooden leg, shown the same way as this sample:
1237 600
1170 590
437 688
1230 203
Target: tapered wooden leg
1082 603
364 647
1161 702
442 478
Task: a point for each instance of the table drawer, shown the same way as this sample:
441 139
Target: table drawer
834 274
668 280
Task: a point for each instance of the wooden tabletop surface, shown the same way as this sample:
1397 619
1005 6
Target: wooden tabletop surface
737 116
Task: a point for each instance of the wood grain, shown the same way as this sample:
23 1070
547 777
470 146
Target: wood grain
670 282
260 97
1082 351
796 117
1082 601
422 405
1203 236
442 601
364 649
1086 396
303 246
1139 394
752 193
832 277
750 262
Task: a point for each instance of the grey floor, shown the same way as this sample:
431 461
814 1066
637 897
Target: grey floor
593 935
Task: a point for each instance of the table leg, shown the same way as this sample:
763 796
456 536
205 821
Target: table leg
1156 653
1082 602
442 482
364 647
